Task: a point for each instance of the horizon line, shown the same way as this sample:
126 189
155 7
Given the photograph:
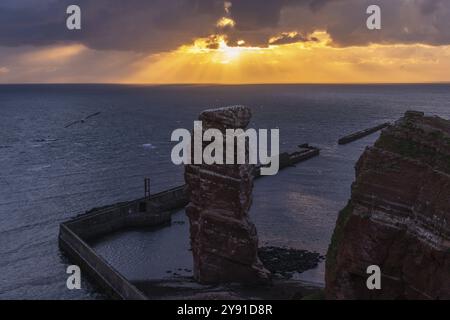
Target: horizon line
225 84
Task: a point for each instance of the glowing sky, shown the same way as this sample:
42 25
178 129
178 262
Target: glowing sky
287 41
312 62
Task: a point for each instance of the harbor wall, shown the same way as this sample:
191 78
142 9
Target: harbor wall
96 267
75 234
156 210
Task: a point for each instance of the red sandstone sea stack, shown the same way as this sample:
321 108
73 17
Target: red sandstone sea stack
398 216
223 239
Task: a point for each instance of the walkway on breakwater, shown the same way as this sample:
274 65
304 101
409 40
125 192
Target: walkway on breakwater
361 134
153 211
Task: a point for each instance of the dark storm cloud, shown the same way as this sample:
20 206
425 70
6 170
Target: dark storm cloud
257 21
159 25
403 21
257 14
430 6
139 25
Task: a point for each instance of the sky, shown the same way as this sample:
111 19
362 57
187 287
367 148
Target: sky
231 42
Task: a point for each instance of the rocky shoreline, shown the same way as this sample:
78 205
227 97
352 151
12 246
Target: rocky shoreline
285 262
282 262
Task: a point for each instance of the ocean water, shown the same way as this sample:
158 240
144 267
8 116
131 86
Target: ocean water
52 169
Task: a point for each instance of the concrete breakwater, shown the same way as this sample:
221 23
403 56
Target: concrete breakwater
361 134
74 235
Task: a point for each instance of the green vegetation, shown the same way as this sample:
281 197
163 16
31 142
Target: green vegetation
415 150
342 220
318 295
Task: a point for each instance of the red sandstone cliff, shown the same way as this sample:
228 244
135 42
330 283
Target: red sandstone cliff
398 216
223 239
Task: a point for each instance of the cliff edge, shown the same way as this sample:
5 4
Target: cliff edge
398 216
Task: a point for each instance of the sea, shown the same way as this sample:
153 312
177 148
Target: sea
65 149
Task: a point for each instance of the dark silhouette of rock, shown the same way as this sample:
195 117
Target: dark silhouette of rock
398 216
286 262
224 241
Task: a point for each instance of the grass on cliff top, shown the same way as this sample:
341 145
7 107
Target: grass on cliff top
344 216
419 151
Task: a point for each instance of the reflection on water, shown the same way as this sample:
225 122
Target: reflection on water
151 254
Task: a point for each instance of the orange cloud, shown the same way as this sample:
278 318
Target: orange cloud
300 62
214 60
55 53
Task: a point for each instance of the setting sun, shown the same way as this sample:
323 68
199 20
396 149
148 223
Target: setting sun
218 51
226 22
